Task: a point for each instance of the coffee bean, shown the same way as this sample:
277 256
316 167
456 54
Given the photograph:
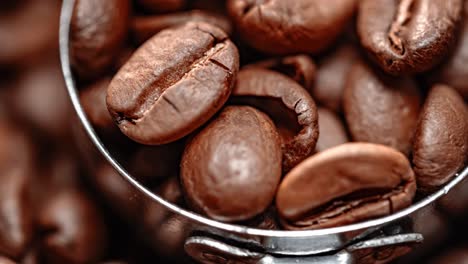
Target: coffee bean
74 229
144 27
408 36
453 72
331 77
98 30
173 83
231 169
16 164
4 260
19 44
93 99
340 186
287 27
265 84
332 131
301 68
163 5
381 109
440 147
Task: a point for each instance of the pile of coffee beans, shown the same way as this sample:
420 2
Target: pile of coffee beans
319 115
284 115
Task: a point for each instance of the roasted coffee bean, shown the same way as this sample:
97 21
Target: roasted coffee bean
332 131
19 44
269 85
455 203
331 77
4 260
287 27
340 186
73 227
98 30
231 169
93 99
163 5
301 68
408 36
381 109
16 222
173 83
457 255
453 72
144 27
440 147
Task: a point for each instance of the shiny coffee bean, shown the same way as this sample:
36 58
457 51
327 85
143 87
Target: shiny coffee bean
16 222
408 36
173 83
301 68
381 109
453 72
288 27
93 100
332 131
265 84
74 231
19 44
331 77
440 147
144 27
98 30
231 169
340 186
161 6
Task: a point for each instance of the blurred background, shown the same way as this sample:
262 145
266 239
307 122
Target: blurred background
60 203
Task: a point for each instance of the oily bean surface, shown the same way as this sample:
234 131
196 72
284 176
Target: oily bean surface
257 82
173 83
440 147
288 27
339 186
408 36
381 109
231 169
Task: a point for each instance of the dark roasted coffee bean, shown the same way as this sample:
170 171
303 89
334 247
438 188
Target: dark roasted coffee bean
340 186
93 99
258 83
332 131
73 227
331 77
163 5
440 147
19 44
16 165
381 109
98 30
301 68
144 27
408 36
173 83
231 169
287 27
454 71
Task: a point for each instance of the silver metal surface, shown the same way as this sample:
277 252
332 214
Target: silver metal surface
288 243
